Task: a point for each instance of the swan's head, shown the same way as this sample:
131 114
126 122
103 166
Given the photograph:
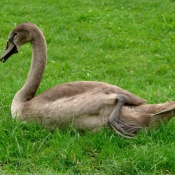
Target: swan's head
20 35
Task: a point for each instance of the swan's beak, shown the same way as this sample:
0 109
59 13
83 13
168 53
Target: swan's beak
9 50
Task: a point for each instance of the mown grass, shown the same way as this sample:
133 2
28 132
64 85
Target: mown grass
126 43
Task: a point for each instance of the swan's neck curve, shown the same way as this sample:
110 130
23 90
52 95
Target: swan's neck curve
36 71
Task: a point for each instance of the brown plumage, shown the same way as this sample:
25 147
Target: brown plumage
86 105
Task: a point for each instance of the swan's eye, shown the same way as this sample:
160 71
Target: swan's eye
12 38
15 34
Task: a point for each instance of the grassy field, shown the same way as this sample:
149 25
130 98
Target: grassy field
127 43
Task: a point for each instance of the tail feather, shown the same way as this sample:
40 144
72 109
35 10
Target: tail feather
162 116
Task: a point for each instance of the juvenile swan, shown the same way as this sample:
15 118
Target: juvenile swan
86 105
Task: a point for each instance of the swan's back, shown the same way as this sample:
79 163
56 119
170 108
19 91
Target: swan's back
75 88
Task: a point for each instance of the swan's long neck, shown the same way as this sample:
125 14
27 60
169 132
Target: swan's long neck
36 71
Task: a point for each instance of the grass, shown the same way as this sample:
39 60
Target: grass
126 43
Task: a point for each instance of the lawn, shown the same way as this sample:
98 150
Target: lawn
130 44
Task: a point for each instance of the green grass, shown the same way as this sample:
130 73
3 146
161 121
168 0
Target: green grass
127 43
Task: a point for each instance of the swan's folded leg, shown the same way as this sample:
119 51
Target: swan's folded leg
117 124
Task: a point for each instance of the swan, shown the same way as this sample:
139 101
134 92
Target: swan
87 105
